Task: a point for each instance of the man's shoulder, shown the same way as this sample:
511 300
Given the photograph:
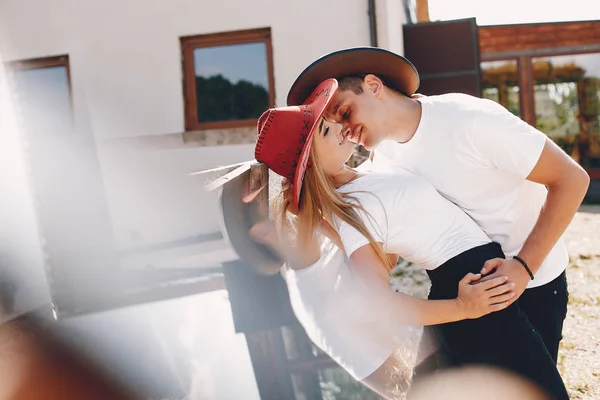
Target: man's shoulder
459 101
460 111
450 112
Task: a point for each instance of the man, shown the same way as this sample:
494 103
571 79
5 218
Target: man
520 187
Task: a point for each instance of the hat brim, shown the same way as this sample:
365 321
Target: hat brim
396 71
318 102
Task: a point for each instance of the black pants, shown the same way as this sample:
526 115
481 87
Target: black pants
523 338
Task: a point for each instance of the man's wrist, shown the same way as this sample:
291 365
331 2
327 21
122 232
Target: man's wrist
523 263
532 256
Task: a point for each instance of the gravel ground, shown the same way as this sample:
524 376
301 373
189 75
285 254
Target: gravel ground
579 357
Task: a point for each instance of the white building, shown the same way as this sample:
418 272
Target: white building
108 107
102 142
126 88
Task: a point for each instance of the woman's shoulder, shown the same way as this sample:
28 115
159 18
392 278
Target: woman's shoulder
379 189
386 179
389 189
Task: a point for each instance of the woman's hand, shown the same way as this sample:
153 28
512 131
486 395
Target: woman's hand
297 255
265 232
478 299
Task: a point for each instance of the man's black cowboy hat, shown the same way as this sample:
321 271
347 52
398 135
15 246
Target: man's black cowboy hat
394 70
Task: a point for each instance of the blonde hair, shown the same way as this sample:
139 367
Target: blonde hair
320 200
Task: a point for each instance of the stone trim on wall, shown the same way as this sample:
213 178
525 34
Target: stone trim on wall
220 137
204 138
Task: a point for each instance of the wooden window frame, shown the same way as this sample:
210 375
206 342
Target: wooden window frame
526 80
44 62
594 173
528 41
522 93
190 43
552 52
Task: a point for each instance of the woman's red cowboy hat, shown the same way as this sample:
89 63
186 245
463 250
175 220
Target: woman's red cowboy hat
285 135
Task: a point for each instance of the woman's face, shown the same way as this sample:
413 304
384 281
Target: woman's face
331 146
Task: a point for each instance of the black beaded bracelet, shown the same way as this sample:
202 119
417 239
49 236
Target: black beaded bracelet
519 259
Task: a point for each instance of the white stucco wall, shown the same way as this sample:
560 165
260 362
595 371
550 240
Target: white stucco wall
126 81
125 70
390 19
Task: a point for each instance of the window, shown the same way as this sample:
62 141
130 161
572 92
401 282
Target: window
42 93
567 103
501 83
558 78
228 79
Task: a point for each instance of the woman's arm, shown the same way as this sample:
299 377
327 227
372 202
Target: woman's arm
393 259
473 301
328 230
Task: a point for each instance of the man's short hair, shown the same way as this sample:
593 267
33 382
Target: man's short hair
354 84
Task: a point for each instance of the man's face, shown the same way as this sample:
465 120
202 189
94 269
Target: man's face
332 148
361 115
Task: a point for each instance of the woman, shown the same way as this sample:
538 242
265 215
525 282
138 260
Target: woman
376 217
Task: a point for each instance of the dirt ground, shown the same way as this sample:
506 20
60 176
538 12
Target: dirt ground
579 356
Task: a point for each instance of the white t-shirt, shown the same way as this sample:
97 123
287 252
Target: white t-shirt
347 317
410 218
343 315
477 155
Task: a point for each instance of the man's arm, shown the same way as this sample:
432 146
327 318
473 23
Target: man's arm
567 185
507 143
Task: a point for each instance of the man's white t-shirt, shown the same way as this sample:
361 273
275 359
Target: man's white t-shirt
477 155
409 217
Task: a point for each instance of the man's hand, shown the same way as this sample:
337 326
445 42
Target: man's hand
513 269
